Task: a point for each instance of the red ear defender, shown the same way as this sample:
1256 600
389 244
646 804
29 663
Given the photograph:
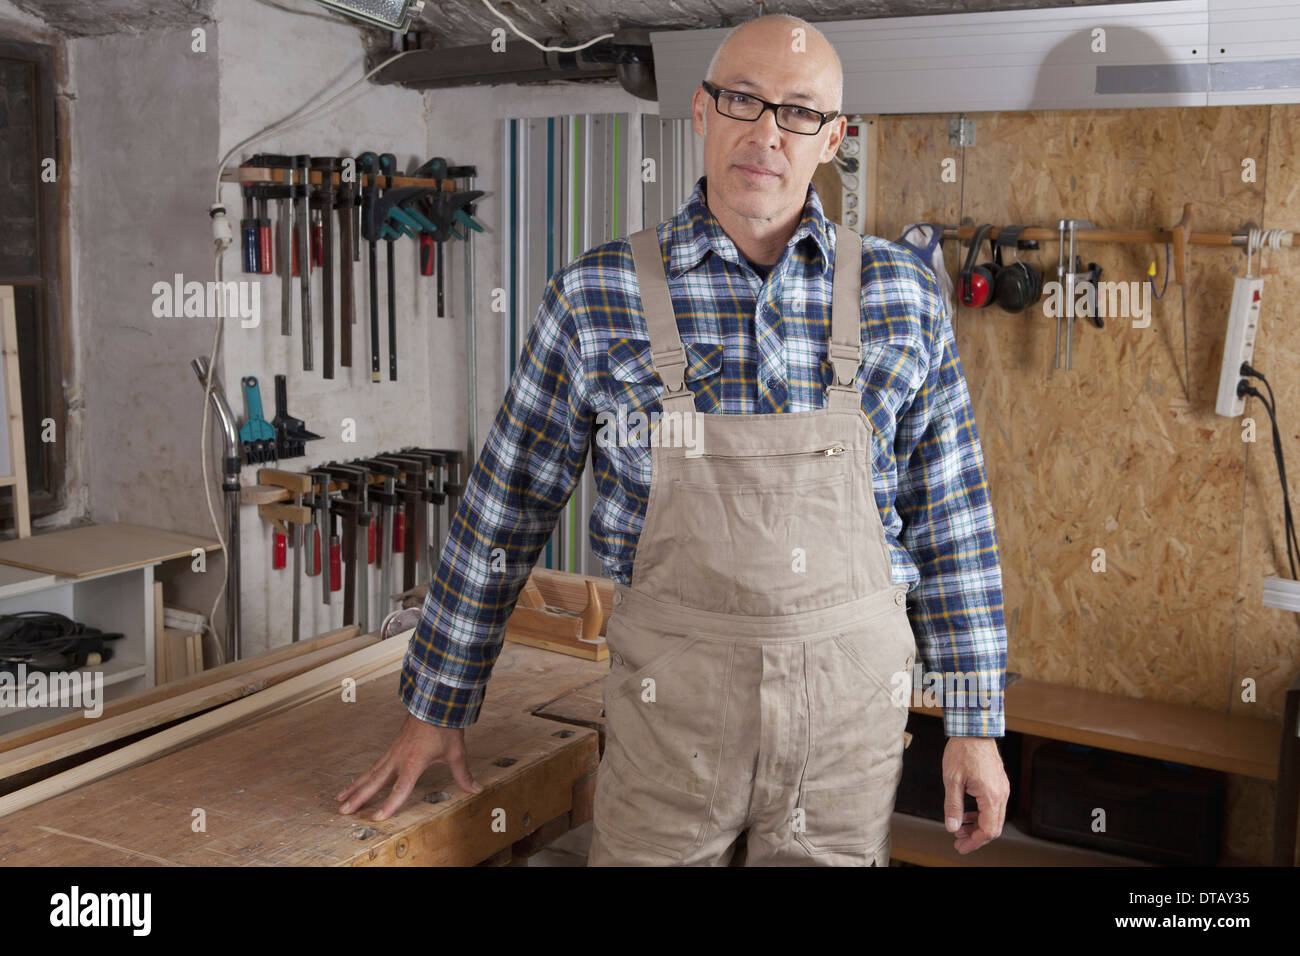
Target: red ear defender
975 288
975 283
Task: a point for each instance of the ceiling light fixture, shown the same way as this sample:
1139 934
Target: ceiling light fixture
389 14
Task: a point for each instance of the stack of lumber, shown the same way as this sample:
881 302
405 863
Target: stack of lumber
73 750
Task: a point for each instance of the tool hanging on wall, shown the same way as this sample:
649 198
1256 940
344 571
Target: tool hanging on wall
347 211
302 165
249 235
289 519
354 507
1066 265
319 503
368 164
445 209
283 195
291 434
256 434
323 208
262 195
1182 232
388 167
385 497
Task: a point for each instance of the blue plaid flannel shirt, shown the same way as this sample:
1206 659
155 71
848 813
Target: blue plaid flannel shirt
753 346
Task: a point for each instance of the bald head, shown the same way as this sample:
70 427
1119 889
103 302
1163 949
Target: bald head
783 34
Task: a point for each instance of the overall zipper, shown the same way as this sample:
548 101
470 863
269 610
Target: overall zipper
833 450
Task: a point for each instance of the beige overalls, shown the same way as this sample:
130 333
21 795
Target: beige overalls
751 658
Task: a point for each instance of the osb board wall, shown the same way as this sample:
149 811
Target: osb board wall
1122 453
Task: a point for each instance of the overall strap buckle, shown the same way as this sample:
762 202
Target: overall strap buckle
670 363
845 358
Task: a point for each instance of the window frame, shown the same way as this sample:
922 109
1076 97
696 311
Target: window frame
51 458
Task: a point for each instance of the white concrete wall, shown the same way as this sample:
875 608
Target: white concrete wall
150 120
144 128
299 59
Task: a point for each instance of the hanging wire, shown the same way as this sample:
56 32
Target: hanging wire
547 49
1151 276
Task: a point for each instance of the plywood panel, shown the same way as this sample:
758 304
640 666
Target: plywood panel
1267 650
1114 454
96 548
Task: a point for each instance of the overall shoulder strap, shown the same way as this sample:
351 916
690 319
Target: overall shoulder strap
667 353
845 347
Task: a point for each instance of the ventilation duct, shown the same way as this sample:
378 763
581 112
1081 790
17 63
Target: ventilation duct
627 57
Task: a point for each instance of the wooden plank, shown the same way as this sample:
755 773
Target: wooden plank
337 639
267 789
926 843
99 548
1148 728
17 479
95 733
378 658
162 671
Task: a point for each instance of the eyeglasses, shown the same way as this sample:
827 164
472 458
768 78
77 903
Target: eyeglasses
744 106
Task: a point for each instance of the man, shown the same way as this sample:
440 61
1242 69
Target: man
760 620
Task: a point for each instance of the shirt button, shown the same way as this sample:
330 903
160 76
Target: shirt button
900 598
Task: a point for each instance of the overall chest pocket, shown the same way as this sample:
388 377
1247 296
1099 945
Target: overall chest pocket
765 548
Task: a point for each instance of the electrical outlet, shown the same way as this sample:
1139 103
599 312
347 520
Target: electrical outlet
1239 346
1282 593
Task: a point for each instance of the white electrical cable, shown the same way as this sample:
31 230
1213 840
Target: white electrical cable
1259 239
546 49
292 121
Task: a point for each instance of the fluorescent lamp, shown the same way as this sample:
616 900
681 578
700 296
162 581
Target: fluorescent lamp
389 14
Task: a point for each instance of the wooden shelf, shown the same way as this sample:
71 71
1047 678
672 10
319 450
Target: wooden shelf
278 176
115 671
926 843
1147 728
99 548
15 581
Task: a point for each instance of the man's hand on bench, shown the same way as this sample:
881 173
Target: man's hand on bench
417 746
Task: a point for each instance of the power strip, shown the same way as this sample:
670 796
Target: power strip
1239 346
853 149
1282 593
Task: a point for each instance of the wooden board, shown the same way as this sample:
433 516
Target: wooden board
1148 728
1230 743
926 843
98 548
267 789
93 733
13 474
338 640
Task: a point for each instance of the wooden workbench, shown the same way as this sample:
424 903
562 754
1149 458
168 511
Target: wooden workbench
267 789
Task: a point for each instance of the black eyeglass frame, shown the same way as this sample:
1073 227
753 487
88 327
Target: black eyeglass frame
715 92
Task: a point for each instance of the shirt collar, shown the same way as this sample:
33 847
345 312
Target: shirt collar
695 232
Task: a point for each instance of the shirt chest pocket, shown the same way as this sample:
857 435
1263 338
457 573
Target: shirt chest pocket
631 393
634 386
